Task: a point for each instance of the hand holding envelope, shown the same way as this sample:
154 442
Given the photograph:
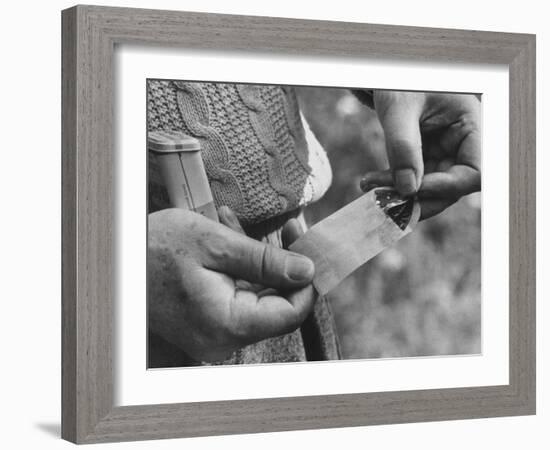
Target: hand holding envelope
433 148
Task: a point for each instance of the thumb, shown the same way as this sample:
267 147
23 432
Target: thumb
245 258
399 114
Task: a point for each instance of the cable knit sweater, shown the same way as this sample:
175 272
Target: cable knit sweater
253 143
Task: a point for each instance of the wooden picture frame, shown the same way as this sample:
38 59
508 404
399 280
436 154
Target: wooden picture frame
89 37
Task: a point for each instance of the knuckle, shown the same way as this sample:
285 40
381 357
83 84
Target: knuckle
468 123
217 248
240 335
259 257
266 258
239 332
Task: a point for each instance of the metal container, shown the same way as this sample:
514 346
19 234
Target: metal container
182 170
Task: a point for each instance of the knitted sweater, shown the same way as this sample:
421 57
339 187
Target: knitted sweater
259 164
253 143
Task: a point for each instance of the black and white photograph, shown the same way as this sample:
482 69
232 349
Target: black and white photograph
291 224
269 225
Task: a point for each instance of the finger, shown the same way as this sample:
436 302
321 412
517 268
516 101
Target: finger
469 152
240 256
376 179
267 291
455 182
291 231
460 176
244 285
432 207
429 206
230 219
257 318
399 116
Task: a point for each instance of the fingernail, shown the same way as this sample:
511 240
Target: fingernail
299 268
405 181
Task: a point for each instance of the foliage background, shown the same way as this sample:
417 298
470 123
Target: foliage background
421 297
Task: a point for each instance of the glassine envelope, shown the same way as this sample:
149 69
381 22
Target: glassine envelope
354 234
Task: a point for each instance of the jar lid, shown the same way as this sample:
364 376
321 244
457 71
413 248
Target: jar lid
171 141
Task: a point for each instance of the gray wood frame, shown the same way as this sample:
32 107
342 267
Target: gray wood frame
89 36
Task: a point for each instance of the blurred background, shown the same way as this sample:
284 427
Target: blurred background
421 297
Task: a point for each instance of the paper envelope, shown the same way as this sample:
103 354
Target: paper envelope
347 239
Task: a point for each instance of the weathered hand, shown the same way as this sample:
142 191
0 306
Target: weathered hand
198 300
433 144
